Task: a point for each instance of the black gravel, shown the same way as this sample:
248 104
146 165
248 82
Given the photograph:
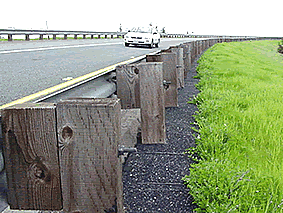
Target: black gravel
152 176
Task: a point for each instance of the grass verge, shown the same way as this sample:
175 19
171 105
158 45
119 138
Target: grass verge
239 141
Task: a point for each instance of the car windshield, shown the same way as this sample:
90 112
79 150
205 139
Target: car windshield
141 30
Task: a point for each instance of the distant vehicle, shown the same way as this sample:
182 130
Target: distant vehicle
139 36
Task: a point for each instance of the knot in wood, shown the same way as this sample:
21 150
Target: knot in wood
136 70
39 170
67 133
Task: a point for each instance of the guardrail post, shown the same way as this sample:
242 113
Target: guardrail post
10 37
27 37
152 102
41 37
187 57
91 36
170 74
111 35
105 36
75 36
54 36
65 36
84 36
98 36
31 157
89 131
180 65
128 86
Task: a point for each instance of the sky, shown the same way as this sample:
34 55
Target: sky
199 17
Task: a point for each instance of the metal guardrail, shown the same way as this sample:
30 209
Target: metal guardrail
54 33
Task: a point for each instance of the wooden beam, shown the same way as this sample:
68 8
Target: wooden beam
31 157
91 175
152 102
169 75
128 86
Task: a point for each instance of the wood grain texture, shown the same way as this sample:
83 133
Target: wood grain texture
180 65
128 86
31 157
152 102
169 74
89 131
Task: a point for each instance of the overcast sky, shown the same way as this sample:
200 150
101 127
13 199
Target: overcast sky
203 17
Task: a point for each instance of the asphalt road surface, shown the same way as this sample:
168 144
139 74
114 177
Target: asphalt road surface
30 67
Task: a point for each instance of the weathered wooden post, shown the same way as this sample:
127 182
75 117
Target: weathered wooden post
41 37
170 74
75 36
152 102
187 57
91 175
84 36
180 65
98 36
194 51
54 36
31 157
65 36
91 36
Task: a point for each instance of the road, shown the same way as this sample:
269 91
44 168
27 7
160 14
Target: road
30 67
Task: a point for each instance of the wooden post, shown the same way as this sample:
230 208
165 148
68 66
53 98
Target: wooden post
91 37
152 102
83 36
75 36
41 37
187 57
193 52
54 37
98 36
128 86
65 36
180 65
31 157
27 37
91 175
169 75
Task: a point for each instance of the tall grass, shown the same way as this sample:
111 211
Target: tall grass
240 136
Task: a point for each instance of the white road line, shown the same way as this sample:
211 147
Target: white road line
53 48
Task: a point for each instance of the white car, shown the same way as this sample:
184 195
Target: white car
148 38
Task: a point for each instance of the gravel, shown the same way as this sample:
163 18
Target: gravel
152 176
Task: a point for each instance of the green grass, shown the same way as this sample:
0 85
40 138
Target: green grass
240 129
